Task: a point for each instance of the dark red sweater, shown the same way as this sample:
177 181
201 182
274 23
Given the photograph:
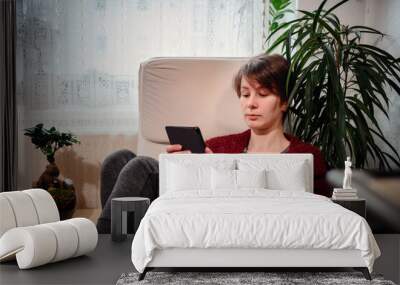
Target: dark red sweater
236 143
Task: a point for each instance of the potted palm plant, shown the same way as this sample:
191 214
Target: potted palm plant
49 141
278 9
336 83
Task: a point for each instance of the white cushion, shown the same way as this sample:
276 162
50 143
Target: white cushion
7 218
26 208
251 178
45 205
185 178
40 244
226 179
87 233
223 179
34 244
23 208
67 239
281 174
188 174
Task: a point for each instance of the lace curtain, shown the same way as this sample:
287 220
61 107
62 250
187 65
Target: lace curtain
78 60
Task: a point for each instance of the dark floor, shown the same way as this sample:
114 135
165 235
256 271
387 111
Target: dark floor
102 266
110 259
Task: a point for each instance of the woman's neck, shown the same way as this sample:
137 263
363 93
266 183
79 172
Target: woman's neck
273 141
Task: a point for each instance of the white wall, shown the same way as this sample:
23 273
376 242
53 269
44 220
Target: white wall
351 13
384 15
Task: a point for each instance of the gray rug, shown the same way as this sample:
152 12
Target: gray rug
228 278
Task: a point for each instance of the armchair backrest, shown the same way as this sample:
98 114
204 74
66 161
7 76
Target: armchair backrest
190 91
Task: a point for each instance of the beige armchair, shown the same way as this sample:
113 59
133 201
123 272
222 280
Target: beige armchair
191 91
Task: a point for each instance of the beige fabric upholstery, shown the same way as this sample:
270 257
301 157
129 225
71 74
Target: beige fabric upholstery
187 92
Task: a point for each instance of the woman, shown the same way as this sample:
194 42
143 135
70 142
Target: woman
260 86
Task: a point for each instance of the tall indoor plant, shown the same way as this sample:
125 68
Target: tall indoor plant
278 9
336 83
49 141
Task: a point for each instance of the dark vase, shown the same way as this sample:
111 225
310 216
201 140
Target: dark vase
62 191
65 199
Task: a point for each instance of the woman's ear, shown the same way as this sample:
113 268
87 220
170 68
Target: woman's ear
284 107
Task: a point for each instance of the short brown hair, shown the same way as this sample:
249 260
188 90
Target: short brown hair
270 71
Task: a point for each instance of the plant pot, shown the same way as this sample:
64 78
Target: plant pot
62 191
65 199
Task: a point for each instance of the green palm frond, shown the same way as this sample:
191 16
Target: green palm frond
338 84
278 9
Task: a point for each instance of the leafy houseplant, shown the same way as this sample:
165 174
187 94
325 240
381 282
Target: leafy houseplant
49 141
277 11
335 85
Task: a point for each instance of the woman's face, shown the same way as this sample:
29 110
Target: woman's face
261 108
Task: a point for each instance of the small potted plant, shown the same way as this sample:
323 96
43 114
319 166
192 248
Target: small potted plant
49 141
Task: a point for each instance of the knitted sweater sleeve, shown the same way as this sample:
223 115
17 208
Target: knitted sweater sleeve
321 186
227 144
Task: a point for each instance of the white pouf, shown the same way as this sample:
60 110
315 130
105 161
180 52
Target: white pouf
31 232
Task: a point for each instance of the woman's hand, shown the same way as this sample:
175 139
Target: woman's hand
208 150
177 148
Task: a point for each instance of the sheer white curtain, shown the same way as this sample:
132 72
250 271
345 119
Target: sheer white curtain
78 60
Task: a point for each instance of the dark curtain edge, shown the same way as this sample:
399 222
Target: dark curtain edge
9 125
